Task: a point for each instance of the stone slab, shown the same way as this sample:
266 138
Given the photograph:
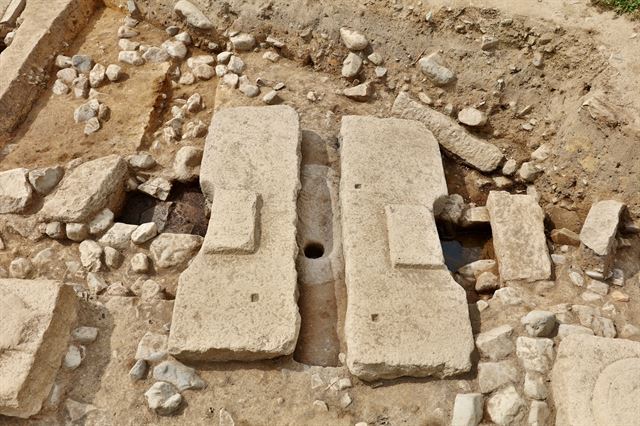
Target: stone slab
15 191
413 237
243 306
232 226
37 318
87 189
596 381
601 225
399 321
517 224
453 137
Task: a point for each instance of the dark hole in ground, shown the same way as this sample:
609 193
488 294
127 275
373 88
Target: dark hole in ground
461 246
182 213
313 250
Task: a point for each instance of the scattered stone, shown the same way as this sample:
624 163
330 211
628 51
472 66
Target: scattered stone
203 72
77 410
140 263
85 335
506 407
59 88
45 179
449 208
487 282
432 66
97 75
126 44
601 225
188 78
473 216
361 92
112 257
534 386
118 236
230 80
82 63
345 400
320 406
194 103
179 375
494 375
144 233
536 354
489 43
249 90
243 42
186 165
453 137
508 296
162 397
67 75
20 267
113 72
517 223
63 61
131 57
90 255
194 17
101 222
351 65
15 191
619 296
169 250
86 111
353 40
496 343
598 287
77 231
271 56
564 236
157 187
117 289
96 283
73 357
467 409
126 32
225 418
271 98
152 347
139 370
539 323
472 117
236 65
474 269
156 55
223 57
141 161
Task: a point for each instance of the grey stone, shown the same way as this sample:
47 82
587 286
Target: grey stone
236 65
139 370
361 92
178 374
600 227
113 72
82 63
131 57
60 88
152 347
157 187
144 233
20 267
101 222
243 42
534 386
85 335
126 44
230 80
91 255
352 65
140 263
112 257
194 17
77 231
74 356
126 32
506 407
162 397
44 180
487 282
539 413
529 171
156 55
97 75
453 137
96 283
496 343
67 75
183 37
86 111
565 330
169 250
203 72
15 191
539 323
494 375
186 165
271 98
432 66
118 236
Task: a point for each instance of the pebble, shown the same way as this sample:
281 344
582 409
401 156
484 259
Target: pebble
145 232
320 405
220 70
529 171
63 61
432 66
539 323
619 296
131 57
178 374
184 37
353 40
77 410
345 400
157 187
67 75
510 167
225 418
375 58
86 111
85 335
472 117
271 98
194 61
73 357
489 42
92 125
565 330
474 269
163 398
112 257
152 347
249 90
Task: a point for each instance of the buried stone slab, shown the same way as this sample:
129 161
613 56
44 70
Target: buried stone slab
37 317
242 306
600 227
396 323
595 381
87 189
517 223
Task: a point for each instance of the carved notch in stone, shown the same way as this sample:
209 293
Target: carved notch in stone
413 237
234 224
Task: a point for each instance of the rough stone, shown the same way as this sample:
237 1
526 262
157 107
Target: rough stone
169 250
494 375
157 187
387 162
73 358
564 236
453 137
472 117
113 72
352 39
600 227
156 55
203 72
87 189
45 179
131 57
190 13
139 370
487 282
450 208
162 397
565 330
517 223
140 263
496 343
144 233
20 267
178 374
351 65
77 231
101 222
152 347
60 88
186 165
432 66
536 354
233 292
534 386
361 92
477 268
97 75
96 283
539 323
85 335
243 42
236 65
15 191
467 409
37 317
595 381
82 63
539 413
91 255
506 407
118 236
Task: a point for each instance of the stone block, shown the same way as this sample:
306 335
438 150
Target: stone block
234 222
15 191
37 318
600 227
517 223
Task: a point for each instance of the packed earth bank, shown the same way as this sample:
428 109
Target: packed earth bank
242 214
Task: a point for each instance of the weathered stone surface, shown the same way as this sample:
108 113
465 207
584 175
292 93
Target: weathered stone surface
467 409
494 375
600 227
506 407
15 191
432 66
536 354
539 323
37 318
496 343
517 223
234 222
178 374
169 250
453 137
118 236
87 189
163 398
45 179
352 39
595 381
186 165
394 326
152 347
192 15
234 292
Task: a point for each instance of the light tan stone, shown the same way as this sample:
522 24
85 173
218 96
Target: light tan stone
15 191
595 381
400 321
600 227
37 318
245 303
87 189
233 222
517 223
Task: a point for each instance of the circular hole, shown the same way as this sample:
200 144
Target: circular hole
313 250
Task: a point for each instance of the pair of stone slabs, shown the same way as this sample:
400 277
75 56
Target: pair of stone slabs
406 316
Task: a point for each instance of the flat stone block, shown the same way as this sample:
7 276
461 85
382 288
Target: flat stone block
15 191
37 318
517 223
399 321
233 222
600 227
596 381
243 306
87 189
413 237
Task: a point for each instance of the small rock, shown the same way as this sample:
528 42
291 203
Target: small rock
20 267
539 413
203 72
130 57
63 61
534 386
565 330
126 32
271 56
508 296
144 233
487 282
536 354
619 296
539 323
496 343
112 257
449 208
345 400
472 117
223 57
152 347
184 37
162 397
538 59
271 98
190 13
225 418
351 65
510 167
73 357
243 42
186 165
179 375
86 111
467 409
96 283
139 370
489 42
236 65
113 72
157 187
320 406
432 66
506 407
528 172
474 269
493 375
126 44
249 90
353 40
380 72
59 88
97 75
85 335
82 63
45 179
375 58
77 410
101 222
140 263
77 231
230 80
156 55
91 255
360 93
598 287
92 125
118 236
175 49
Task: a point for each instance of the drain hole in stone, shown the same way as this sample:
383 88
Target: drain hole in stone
313 250
255 297
182 213
357 186
374 317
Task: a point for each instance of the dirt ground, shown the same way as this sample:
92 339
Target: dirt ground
590 57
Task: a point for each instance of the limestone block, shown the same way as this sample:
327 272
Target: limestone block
517 223
234 222
396 323
413 237
595 381
169 250
15 191
600 227
87 189
37 318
